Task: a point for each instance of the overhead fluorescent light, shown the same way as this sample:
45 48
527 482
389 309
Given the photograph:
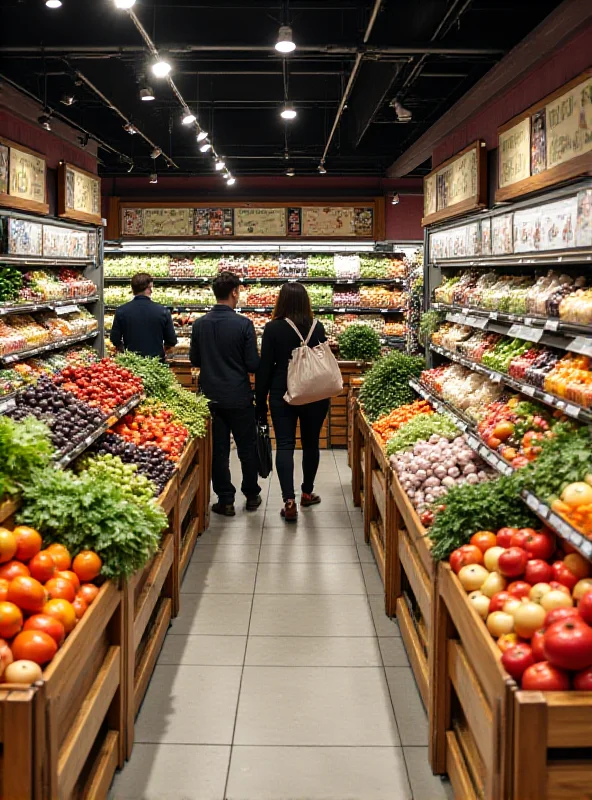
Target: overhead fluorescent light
125 3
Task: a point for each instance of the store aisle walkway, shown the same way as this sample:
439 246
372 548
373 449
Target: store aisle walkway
282 679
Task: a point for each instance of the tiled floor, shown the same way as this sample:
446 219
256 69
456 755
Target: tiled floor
282 678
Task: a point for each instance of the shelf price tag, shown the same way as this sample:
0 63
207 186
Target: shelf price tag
552 325
529 390
514 331
532 502
493 315
60 310
581 345
572 411
6 405
496 377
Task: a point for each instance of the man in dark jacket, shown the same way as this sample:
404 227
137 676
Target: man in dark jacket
141 325
224 347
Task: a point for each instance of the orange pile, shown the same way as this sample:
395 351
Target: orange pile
386 426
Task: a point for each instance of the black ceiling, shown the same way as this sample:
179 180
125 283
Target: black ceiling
427 53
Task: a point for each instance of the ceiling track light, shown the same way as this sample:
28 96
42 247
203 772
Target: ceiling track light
129 128
219 165
290 172
125 4
161 67
45 121
53 3
202 135
154 178
68 99
156 152
146 94
131 166
403 114
395 199
321 169
285 43
231 181
188 117
288 111
205 147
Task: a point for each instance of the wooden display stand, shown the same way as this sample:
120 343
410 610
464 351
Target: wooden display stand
183 371
338 414
360 431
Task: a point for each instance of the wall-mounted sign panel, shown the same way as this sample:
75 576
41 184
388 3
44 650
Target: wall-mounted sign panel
558 133
457 186
261 222
23 178
79 194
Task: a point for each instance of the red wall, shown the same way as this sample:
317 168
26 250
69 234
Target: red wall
555 70
403 221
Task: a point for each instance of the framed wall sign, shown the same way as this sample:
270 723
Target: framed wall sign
79 194
264 222
558 131
457 186
23 178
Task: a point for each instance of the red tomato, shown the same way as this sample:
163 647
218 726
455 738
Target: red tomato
484 540
537 644
88 592
520 537
8 545
80 606
465 555
540 545
11 620
28 542
61 588
512 562
519 589
36 646
42 566
517 659
557 614
585 608
504 536
498 601
12 569
26 593
544 677
70 576
47 624
568 644
537 571
3 589
564 575
582 681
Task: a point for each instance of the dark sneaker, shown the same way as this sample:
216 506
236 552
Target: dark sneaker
253 503
309 499
225 509
290 511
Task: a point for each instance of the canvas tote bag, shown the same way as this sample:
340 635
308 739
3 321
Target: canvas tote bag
313 372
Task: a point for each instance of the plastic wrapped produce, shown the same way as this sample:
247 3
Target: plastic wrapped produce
321 266
347 299
347 266
292 266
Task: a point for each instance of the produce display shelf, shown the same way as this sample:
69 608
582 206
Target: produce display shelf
568 408
45 261
253 281
63 460
269 309
555 258
12 358
50 305
541 509
550 324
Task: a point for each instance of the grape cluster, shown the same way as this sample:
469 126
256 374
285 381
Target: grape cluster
150 460
133 484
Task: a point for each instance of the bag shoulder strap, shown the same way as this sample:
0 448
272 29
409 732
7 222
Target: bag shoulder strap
302 339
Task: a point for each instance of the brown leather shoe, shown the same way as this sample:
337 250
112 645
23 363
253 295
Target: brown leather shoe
290 511
311 499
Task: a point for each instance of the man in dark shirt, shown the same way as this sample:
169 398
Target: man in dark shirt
224 347
141 325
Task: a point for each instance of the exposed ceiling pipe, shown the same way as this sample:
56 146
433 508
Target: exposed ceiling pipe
352 78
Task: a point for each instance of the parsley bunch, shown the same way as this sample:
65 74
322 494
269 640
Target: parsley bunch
24 448
386 385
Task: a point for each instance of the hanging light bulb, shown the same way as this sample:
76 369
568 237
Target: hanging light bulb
202 135
231 181
403 114
188 117
154 178
205 147
125 3
68 99
321 169
219 166
161 67
53 3
284 42
290 172
45 121
288 112
146 93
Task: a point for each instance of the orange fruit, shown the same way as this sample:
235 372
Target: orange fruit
8 545
26 593
28 542
3 589
80 606
88 591
62 610
36 646
12 569
11 620
61 588
47 624
68 575
60 555
87 565
42 566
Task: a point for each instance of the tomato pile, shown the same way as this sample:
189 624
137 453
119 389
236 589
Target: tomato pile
43 595
156 426
104 385
535 598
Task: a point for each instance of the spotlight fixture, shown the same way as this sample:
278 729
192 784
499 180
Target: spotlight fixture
231 181
288 112
53 3
188 117
129 128
161 67
146 94
154 178
219 166
395 199
205 147
321 169
284 42
45 121
403 114
202 135
290 172
68 99
131 167
125 3
156 152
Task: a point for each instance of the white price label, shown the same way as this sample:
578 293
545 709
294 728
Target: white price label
496 377
532 502
60 310
514 331
572 411
548 398
581 345
532 334
341 310
552 325
7 405
465 310
529 390
493 315
586 548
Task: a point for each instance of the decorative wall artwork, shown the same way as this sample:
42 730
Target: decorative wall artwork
132 223
538 143
167 221
514 154
3 169
294 221
502 235
22 178
457 186
25 238
214 222
569 124
584 219
79 194
61 242
260 222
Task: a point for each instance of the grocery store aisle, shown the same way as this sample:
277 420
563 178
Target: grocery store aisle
282 679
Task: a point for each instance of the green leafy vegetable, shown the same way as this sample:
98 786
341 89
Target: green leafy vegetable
359 343
24 448
386 385
420 427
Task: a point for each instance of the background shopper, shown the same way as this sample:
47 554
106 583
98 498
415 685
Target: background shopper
279 339
224 347
143 326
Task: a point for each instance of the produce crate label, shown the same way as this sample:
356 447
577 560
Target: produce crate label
496 377
586 548
514 331
548 398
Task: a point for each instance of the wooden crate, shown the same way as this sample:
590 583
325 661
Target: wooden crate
472 700
191 498
358 455
205 485
338 414
151 600
352 406
22 766
184 373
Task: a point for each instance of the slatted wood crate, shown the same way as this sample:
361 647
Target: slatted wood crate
191 501
338 426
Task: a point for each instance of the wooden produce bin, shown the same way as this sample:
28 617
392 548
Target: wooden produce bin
184 373
413 584
338 427
360 431
21 759
473 703
151 600
191 500
352 405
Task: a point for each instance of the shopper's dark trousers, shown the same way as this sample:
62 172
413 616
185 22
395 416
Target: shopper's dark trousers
241 423
285 418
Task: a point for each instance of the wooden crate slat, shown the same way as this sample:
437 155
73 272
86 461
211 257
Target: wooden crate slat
379 491
187 544
416 576
99 779
414 650
159 570
413 525
457 771
569 780
377 549
18 761
570 719
144 670
470 753
188 491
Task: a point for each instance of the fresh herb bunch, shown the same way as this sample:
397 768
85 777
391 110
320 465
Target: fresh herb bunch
156 376
478 507
420 427
359 343
24 448
429 322
386 385
90 512
11 282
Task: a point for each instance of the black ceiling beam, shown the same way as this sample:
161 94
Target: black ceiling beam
338 50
